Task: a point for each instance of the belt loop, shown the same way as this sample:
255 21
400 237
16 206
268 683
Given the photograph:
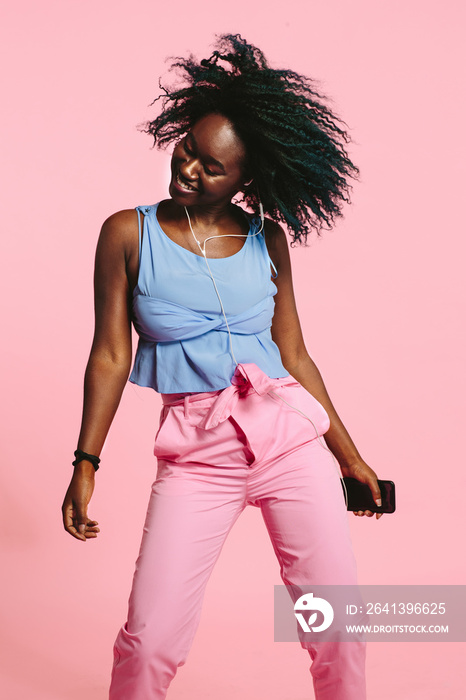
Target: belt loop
186 407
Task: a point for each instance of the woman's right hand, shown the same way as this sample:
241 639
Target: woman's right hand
107 370
77 497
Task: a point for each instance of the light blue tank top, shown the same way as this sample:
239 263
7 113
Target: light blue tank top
183 339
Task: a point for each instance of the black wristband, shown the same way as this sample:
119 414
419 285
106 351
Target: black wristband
80 455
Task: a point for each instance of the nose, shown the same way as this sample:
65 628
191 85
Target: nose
189 169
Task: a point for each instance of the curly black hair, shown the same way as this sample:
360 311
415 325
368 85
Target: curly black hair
295 145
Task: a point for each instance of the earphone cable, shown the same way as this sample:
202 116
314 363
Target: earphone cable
202 249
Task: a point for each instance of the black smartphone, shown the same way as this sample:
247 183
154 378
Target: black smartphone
360 496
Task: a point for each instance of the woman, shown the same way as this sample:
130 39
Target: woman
209 290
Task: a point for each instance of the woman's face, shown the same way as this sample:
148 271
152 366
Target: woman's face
208 164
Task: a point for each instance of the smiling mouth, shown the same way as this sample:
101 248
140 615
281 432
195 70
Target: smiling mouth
184 185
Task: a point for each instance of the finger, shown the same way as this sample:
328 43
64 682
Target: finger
72 531
91 524
92 529
68 514
375 490
88 533
369 513
378 515
81 519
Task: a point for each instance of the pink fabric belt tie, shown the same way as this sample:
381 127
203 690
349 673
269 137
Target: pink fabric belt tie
247 379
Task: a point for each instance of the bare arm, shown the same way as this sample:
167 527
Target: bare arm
109 362
287 334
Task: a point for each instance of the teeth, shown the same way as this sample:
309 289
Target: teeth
184 185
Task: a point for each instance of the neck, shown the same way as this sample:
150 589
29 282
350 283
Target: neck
210 218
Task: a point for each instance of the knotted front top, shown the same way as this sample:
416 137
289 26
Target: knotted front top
183 339
247 379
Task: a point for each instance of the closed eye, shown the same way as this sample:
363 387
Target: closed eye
191 152
187 149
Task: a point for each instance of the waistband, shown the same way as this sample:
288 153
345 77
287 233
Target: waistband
247 379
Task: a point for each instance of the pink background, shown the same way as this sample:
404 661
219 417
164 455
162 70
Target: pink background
380 300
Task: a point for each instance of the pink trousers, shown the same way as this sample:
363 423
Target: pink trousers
217 453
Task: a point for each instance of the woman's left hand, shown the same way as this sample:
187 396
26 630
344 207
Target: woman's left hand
362 472
287 334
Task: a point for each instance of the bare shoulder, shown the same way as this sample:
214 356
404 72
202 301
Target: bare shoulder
120 229
277 243
117 251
